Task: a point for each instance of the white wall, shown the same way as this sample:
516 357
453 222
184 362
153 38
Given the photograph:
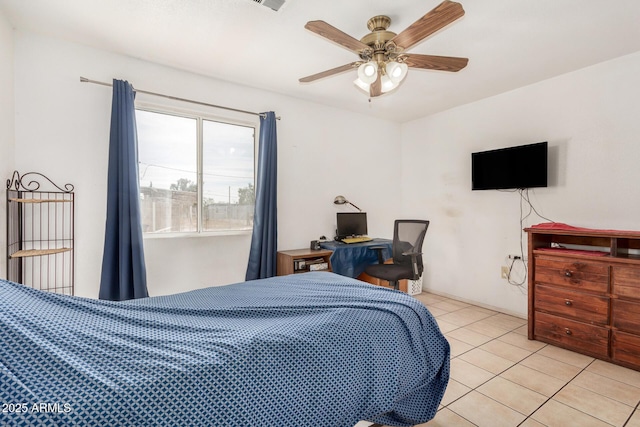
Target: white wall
6 121
590 118
62 130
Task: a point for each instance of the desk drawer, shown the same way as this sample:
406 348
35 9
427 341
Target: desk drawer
587 276
588 308
584 338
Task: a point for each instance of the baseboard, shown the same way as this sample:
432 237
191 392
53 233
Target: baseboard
479 304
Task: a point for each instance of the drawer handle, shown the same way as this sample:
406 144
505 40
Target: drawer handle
568 302
568 273
567 331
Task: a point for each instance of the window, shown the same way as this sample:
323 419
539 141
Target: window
196 174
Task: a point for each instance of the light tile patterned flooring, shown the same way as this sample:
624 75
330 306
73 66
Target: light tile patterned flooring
500 378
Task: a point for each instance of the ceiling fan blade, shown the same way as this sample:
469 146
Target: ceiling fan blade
375 89
441 16
335 35
432 62
328 73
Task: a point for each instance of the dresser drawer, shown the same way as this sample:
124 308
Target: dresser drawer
588 276
584 338
625 315
626 281
588 308
625 348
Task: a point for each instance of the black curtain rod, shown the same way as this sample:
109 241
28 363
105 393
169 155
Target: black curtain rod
175 98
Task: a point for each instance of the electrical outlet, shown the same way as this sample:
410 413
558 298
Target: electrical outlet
504 272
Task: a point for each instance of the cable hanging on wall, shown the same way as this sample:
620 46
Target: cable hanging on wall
524 198
525 202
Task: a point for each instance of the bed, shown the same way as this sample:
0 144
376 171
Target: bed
313 349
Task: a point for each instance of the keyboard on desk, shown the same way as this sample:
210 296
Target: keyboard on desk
357 239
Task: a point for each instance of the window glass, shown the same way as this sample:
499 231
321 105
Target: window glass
170 164
228 178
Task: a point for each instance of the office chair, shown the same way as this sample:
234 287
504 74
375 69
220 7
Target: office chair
408 235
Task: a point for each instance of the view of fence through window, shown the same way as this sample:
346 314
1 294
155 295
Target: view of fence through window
169 166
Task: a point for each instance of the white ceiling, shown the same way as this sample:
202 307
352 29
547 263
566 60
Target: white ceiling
509 43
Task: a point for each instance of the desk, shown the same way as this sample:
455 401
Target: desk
351 259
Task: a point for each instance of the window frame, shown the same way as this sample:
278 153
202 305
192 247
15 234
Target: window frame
200 116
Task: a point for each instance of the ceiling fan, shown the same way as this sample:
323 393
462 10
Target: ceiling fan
383 63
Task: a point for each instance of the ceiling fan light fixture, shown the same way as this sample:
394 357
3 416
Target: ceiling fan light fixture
396 71
361 85
368 72
383 59
387 84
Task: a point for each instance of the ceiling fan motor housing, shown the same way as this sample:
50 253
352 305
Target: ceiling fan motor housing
378 38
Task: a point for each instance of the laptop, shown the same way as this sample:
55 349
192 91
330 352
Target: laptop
351 227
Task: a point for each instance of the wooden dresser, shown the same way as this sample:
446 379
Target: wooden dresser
584 291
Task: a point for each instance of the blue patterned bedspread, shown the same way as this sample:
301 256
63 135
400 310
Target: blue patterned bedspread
313 349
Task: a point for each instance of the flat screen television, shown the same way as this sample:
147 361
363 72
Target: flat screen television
351 224
523 166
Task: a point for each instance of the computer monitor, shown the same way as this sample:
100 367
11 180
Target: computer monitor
351 224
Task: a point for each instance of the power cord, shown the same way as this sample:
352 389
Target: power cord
525 201
519 285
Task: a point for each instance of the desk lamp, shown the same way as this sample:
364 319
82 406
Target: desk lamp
340 200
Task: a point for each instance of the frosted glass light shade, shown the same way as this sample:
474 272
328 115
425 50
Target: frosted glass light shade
396 71
368 72
387 84
361 85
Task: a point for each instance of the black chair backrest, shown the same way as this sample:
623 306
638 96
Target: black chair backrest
408 235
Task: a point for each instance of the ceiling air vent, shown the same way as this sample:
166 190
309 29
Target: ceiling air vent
271 4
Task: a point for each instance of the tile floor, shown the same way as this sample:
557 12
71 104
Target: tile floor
500 378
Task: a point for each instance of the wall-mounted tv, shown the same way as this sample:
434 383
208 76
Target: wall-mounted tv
523 166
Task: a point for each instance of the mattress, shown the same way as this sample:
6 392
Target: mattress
313 349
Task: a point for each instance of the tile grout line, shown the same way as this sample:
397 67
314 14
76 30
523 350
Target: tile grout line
505 370
632 414
559 390
516 363
474 347
494 375
571 380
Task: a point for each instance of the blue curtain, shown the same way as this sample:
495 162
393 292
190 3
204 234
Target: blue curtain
124 273
262 258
